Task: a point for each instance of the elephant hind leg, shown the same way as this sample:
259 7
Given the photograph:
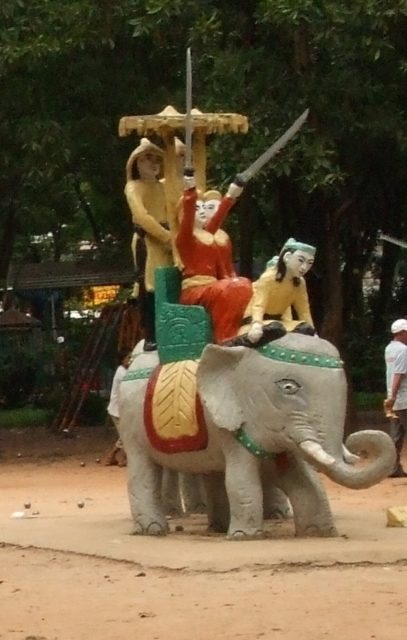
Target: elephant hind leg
275 503
217 502
170 493
152 529
193 493
318 532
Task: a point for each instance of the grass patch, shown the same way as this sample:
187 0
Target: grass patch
24 417
368 401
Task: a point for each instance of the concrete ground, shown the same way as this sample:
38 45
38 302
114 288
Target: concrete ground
71 570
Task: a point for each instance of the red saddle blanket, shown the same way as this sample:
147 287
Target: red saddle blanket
173 414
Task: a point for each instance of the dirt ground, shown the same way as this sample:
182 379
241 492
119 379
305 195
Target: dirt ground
70 570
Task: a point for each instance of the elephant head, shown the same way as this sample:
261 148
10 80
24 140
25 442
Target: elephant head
291 396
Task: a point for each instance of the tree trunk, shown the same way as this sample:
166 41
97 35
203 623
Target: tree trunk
352 282
246 236
381 307
332 323
7 240
87 209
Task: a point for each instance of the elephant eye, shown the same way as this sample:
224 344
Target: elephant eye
288 386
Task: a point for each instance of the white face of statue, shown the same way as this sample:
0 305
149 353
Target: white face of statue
149 165
298 263
200 216
211 207
205 210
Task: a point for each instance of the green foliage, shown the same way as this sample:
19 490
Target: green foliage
25 417
18 374
365 359
368 401
93 411
56 118
69 71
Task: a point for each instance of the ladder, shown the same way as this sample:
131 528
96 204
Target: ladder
99 338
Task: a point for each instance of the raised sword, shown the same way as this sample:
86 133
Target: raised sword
399 243
275 148
188 119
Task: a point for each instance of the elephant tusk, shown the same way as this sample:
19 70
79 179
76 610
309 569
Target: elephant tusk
315 451
350 458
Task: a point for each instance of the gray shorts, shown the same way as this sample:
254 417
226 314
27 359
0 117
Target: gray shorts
402 418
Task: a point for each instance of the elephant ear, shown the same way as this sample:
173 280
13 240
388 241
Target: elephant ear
217 385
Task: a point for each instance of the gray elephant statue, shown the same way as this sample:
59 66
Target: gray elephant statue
266 417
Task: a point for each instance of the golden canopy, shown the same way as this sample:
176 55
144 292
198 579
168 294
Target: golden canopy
171 119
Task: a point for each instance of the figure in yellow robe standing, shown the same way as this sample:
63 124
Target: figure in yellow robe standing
152 241
280 289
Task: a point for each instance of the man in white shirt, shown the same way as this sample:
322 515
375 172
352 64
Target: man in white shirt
396 380
117 454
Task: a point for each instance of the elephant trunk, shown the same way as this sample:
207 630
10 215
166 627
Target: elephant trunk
377 446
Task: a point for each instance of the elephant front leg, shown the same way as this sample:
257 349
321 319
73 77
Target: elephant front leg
311 510
144 490
244 490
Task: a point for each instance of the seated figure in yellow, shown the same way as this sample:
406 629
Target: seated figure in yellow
279 289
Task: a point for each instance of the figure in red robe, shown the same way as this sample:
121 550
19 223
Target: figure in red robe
209 278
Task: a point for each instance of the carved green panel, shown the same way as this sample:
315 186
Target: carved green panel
182 331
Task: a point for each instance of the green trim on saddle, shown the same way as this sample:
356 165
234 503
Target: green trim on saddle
141 374
275 352
182 331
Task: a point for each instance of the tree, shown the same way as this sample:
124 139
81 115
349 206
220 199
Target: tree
68 72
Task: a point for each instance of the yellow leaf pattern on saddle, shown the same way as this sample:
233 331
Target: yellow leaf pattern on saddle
173 404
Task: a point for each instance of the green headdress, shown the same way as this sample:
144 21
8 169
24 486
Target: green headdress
272 262
293 245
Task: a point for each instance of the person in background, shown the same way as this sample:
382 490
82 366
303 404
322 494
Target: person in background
117 455
395 405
